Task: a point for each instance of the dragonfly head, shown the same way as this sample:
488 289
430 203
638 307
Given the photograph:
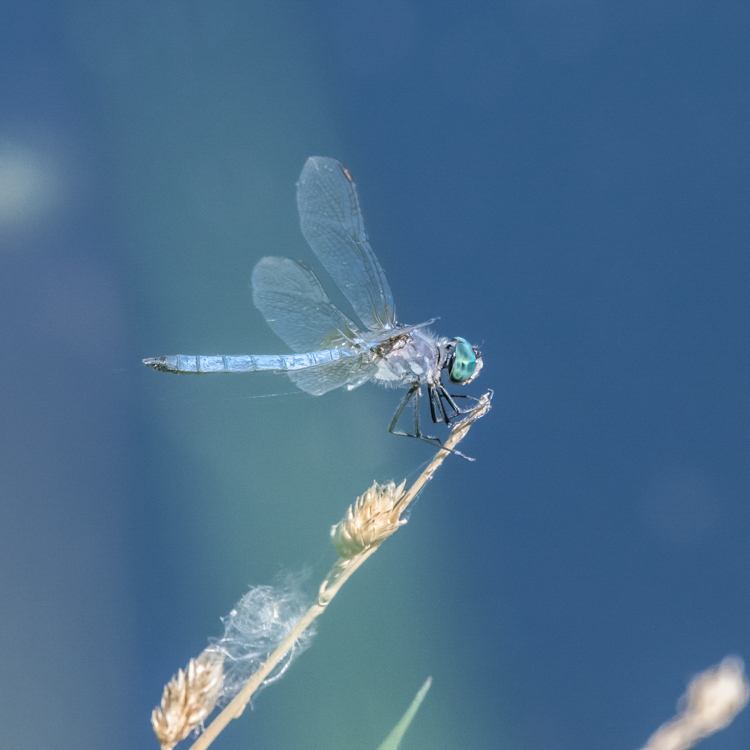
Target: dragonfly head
462 361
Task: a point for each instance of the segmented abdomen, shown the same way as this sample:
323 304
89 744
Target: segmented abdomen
199 364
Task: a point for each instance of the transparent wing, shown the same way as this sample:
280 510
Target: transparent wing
333 225
349 371
294 304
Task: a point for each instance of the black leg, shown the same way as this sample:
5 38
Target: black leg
443 394
447 396
437 395
417 397
473 399
434 408
400 411
414 393
417 415
436 417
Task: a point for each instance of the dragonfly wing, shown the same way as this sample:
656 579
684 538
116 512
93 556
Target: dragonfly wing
295 305
333 225
349 371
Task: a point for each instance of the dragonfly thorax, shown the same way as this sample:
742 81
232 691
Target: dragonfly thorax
414 358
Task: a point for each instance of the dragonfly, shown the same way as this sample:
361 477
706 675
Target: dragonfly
330 349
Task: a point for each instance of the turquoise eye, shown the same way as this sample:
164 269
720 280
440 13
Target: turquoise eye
464 362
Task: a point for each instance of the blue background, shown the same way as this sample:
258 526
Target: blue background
565 183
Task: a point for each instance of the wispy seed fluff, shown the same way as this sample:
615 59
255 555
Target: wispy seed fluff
255 627
188 699
373 518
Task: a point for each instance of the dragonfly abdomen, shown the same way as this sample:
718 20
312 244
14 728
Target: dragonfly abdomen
199 364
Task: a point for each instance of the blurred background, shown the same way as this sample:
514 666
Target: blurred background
563 182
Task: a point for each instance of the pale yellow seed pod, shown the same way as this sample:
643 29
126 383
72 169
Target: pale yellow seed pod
373 518
188 698
713 699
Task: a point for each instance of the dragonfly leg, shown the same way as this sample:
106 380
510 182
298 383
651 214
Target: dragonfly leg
417 430
436 396
414 393
447 396
464 395
444 395
434 413
404 403
417 399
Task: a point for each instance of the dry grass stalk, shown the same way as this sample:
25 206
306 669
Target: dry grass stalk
188 698
713 699
344 568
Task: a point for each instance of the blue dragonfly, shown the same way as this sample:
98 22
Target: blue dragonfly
331 350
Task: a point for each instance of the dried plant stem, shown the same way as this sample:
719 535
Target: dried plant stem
457 435
338 576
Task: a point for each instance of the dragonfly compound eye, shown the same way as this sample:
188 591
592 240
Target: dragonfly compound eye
463 363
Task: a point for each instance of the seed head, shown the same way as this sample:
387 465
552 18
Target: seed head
373 518
188 698
713 699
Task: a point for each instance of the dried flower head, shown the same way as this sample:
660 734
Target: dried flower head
188 698
713 699
373 518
